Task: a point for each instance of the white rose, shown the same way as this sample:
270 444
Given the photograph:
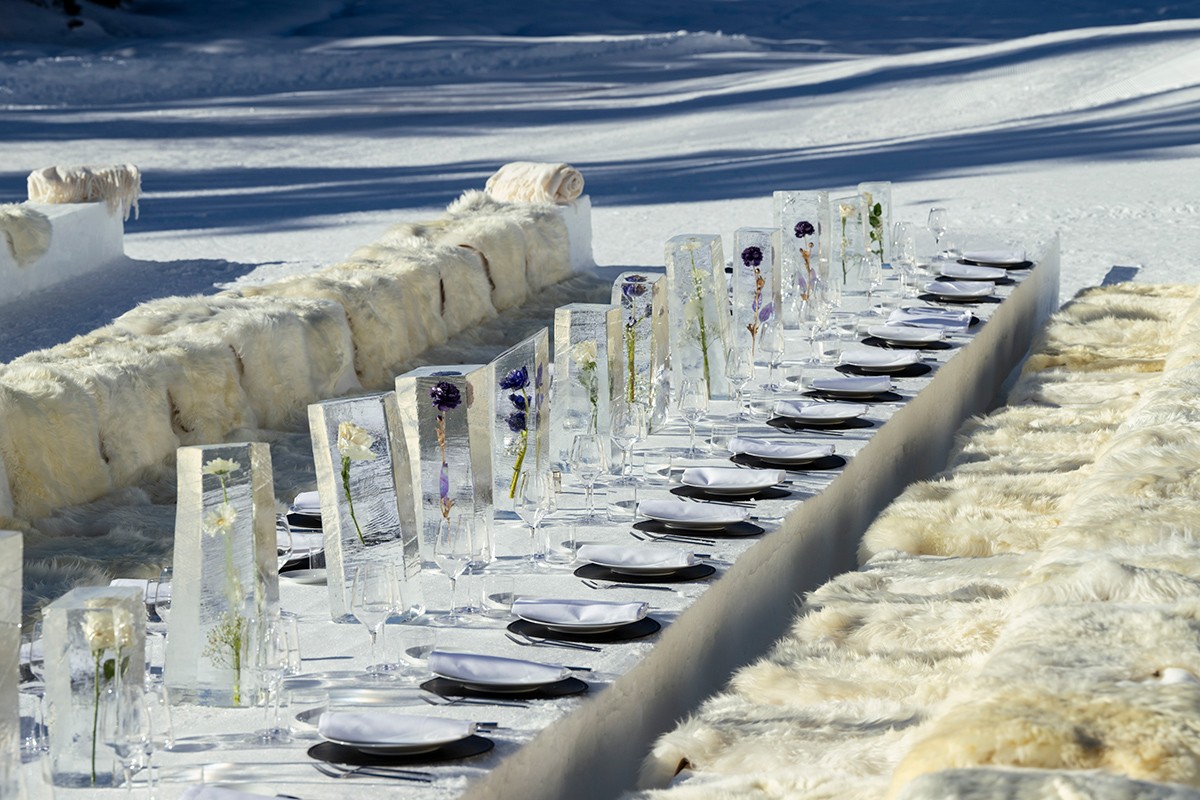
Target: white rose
354 443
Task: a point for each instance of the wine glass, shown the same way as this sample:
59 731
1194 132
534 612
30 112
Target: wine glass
904 249
939 220
33 683
284 544
125 726
628 426
371 602
693 405
269 660
772 346
452 552
871 273
739 370
588 462
535 500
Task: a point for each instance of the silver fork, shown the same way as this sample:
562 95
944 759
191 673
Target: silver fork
597 585
672 537
339 771
525 640
435 699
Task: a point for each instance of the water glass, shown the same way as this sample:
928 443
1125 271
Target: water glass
416 643
498 594
291 628
561 547
828 347
720 437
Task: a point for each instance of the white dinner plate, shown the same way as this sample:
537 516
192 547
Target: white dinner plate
731 481
783 453
905 336
578 616
638 560
851 386
495 673
819 413
882 361
399 734
390 749
684 515
970 272
960 291
998 258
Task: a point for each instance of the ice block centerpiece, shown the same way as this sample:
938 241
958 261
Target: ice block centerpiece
802 219
520 385
756 289
364 479
11 549
447 413
877 219
226 574
848 246
641 339
581 374
699 311
94 640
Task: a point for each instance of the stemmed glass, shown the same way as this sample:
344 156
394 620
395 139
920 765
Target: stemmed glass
693 405
628 427
33 683
269 660
871 272
588 461
904 248
126 729
772 346
371 602
535 501
939 221
284 544
739 370
452 552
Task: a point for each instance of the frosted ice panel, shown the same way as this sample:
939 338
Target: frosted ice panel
580 392
520 382
94 640
801 217
364 479
11 549
450 446
756 290
877 219
848 244
226 572
699 311
643 376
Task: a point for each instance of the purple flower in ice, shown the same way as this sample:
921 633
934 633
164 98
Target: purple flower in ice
516 421
519 401
752 256
445 396
632 289
804 228
764 313
517 379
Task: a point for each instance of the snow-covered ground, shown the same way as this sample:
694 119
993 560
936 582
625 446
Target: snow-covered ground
278 136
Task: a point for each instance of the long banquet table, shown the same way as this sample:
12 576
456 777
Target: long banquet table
590 745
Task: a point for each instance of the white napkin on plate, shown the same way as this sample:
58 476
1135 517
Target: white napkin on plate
731 478
578 612
641 556
145 585
879 359
970 272
205 792
780 451
483 669
852 383
385 727
960 288
821 412
995 256
918 317
307 503
904 333
684 512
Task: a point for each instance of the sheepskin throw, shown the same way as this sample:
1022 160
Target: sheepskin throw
534 182
119 186
1024 625
27 232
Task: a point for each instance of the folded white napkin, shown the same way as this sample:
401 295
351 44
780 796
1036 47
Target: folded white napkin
683 512
970 272
145 585
903 333
731 478
960 288
534 182
385 727
995 256
873 358
818 412
578 612
646 556
482 669
307 503
920 317
780 451
204 792
852 383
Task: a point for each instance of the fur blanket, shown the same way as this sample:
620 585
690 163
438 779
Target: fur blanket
26 231
118 186
1026 624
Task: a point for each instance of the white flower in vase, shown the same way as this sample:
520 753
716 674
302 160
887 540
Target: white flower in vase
353 444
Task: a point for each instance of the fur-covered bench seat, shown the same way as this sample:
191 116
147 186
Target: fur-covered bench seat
1026 624
107 410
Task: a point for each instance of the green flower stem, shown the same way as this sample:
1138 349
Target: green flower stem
350 498
512 487
95 712
630 341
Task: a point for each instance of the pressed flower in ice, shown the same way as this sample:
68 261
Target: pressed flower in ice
584 354
517 381
107 629
752 256
220 520
803 230
636 309
353 444
445 398
693 309
221 467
